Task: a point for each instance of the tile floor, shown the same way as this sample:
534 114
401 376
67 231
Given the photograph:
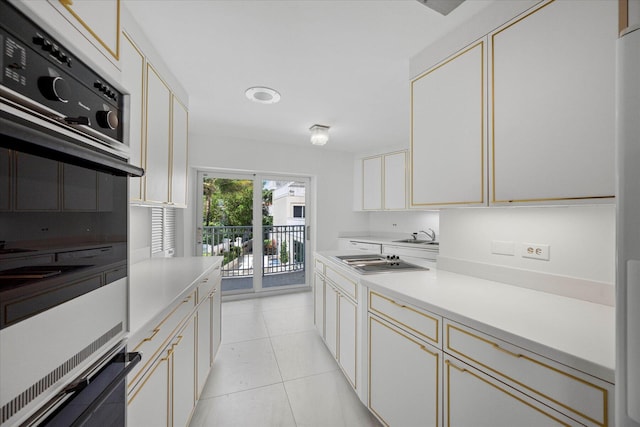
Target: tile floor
274 370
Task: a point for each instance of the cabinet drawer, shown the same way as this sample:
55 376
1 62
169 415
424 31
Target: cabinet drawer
584 398
319 266
207 284
419 322
157 338
347 285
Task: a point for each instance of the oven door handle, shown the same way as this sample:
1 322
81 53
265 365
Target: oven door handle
133 359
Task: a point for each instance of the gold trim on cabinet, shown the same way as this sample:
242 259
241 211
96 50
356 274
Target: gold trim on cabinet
605 394
423 348
623 15
354 297
482 126
493 127
436 320
464 370
164 344
174 98
116 54
147 377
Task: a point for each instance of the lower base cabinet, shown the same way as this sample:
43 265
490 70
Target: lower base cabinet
473 398
404 380
177 357
183 375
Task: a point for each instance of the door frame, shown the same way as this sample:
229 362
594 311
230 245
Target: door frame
257 178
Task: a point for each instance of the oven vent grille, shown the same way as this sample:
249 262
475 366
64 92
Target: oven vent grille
24 398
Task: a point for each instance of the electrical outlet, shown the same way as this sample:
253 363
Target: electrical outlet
535 251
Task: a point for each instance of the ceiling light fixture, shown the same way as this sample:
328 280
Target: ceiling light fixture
319 134
262 95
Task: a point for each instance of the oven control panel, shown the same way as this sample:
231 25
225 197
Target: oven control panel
43 76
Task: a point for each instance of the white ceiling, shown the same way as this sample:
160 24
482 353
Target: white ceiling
340 63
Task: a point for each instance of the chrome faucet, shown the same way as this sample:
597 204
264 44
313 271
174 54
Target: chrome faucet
430 233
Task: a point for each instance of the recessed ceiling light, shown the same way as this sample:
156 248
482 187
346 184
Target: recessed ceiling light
263 95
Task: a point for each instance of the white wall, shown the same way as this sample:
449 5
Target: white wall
404 223
581 238
331 175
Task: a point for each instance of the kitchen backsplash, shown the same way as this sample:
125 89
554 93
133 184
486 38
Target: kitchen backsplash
403 223
579 240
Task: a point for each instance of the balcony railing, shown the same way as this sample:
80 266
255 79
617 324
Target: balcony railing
283 248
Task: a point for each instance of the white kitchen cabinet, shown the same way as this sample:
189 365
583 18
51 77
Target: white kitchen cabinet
132 63
448 119
473 398
158 137
561 388
331 297
384 182
404 377
395 181
348 338
98 21
149 404
372 183
209 327
355 245
552 118
318 303
184 374
179 144
337 311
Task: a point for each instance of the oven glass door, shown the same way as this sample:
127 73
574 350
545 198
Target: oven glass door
63 231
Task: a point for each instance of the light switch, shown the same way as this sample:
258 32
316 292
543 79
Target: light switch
501 247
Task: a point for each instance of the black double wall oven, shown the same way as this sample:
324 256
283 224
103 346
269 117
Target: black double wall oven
63 223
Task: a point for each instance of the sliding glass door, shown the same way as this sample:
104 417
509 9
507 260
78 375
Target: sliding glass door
258 224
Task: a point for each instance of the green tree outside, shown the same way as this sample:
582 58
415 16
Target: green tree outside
284 253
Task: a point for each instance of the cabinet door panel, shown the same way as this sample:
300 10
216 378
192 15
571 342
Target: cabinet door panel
148 404
184 375
553 85
157 147
404 381
395 181
318 298
348 337
99 21
179 154
372 183
132 64
205 342
475 399
448 131
331 318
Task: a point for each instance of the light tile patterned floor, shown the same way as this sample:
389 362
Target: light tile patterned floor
274 370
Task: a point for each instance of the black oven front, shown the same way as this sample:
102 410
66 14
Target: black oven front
63 216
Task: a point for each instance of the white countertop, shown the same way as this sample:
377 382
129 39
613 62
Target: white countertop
155 284
574 332
386 240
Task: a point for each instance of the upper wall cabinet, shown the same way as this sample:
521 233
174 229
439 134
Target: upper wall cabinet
133 78
158 108
448 153
525 115
384 180
157 133
552 109
99 20
179 143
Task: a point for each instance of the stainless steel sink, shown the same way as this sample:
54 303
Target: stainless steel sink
417 241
